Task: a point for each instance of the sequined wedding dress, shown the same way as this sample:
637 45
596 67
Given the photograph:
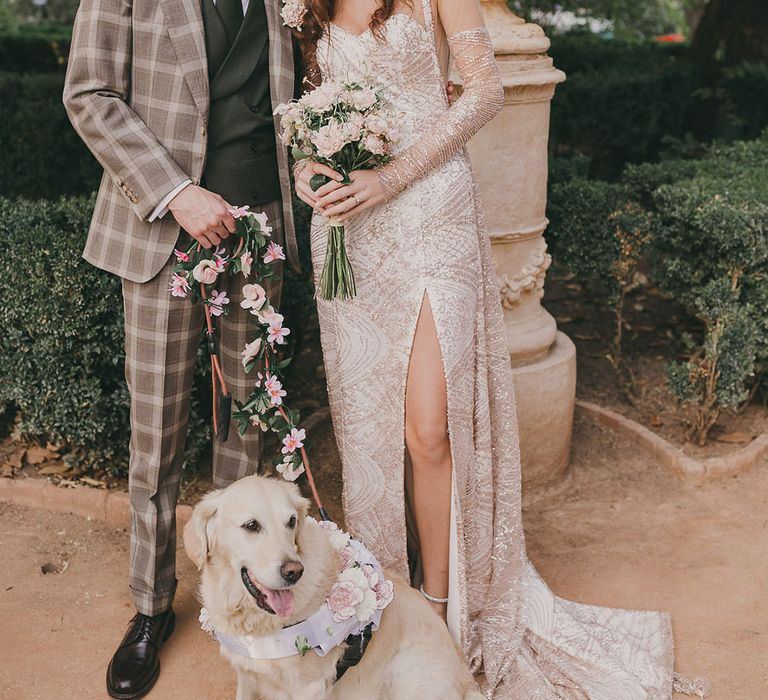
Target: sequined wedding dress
523 641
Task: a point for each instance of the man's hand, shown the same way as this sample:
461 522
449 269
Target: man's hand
203 215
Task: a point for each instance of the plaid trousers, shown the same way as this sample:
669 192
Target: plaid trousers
162 336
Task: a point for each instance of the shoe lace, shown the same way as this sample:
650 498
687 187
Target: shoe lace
143 627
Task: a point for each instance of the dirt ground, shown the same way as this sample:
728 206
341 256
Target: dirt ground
621 532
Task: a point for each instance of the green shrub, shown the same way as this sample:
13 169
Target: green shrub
745 100
711 253
61 337
601 235
615 116
33 52
61 344
581 52
704 226
40 153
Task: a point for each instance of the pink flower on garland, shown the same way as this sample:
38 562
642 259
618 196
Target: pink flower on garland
277 332
239 212
293 441
261 220
274 252
268 315
181 256
254 297
251 351
246 261
208 271
179 285
275 390
290 469
217 302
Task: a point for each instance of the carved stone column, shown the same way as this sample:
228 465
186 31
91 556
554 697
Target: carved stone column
510 160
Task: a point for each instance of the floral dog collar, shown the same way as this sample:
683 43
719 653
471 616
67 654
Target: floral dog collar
355 601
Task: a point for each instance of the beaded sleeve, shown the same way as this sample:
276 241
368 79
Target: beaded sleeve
480 101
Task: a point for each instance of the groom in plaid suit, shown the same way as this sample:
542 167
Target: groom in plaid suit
175 99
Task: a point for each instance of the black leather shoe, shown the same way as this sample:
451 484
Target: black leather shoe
134 668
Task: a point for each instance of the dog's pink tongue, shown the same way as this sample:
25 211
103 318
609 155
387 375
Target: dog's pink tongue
280 601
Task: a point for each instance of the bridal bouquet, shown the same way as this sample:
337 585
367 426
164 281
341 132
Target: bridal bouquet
347 126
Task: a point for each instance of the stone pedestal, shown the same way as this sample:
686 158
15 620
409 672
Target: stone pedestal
510 160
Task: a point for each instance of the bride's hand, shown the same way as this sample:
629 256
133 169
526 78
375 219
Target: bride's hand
346 201
304 171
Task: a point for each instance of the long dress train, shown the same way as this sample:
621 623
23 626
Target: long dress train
429 243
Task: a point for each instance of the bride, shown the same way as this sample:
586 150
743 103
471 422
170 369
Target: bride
418 373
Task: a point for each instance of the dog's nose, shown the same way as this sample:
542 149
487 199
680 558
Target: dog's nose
291 571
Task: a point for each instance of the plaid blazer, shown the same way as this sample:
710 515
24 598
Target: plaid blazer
137 93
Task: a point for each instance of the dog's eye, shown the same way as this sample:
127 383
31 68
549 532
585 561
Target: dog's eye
292 522
252 526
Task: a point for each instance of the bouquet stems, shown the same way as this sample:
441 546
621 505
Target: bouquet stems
337 280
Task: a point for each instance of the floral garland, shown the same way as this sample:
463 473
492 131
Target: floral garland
254 253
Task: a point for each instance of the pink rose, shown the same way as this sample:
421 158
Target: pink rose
375 144
251 352
347 557
254 298
246 260
329 139
344 599
385 592
321 99
360 98
376 124
293 13
207 271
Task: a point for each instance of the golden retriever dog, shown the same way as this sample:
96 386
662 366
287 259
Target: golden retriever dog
264 566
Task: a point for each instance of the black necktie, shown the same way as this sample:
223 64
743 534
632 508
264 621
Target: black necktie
231 13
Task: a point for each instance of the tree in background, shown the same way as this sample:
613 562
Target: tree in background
731 32
627 18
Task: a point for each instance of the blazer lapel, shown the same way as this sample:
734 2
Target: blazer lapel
281 87
281 68
184 19
242 53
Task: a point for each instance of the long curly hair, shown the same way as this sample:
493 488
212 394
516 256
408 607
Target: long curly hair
319 15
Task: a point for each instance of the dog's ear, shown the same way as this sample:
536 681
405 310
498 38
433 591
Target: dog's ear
301 505
198 532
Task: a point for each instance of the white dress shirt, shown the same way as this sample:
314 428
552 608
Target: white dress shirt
162 208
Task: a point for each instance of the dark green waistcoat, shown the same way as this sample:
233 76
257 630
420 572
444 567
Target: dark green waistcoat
241 162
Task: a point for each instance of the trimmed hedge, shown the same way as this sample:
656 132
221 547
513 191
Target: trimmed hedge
40 153
708 249
34 52
620 102
61 339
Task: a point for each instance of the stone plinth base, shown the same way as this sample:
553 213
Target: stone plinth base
547 391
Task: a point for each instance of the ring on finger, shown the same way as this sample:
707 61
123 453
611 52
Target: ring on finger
357 201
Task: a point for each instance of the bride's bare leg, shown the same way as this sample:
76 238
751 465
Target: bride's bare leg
426 437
